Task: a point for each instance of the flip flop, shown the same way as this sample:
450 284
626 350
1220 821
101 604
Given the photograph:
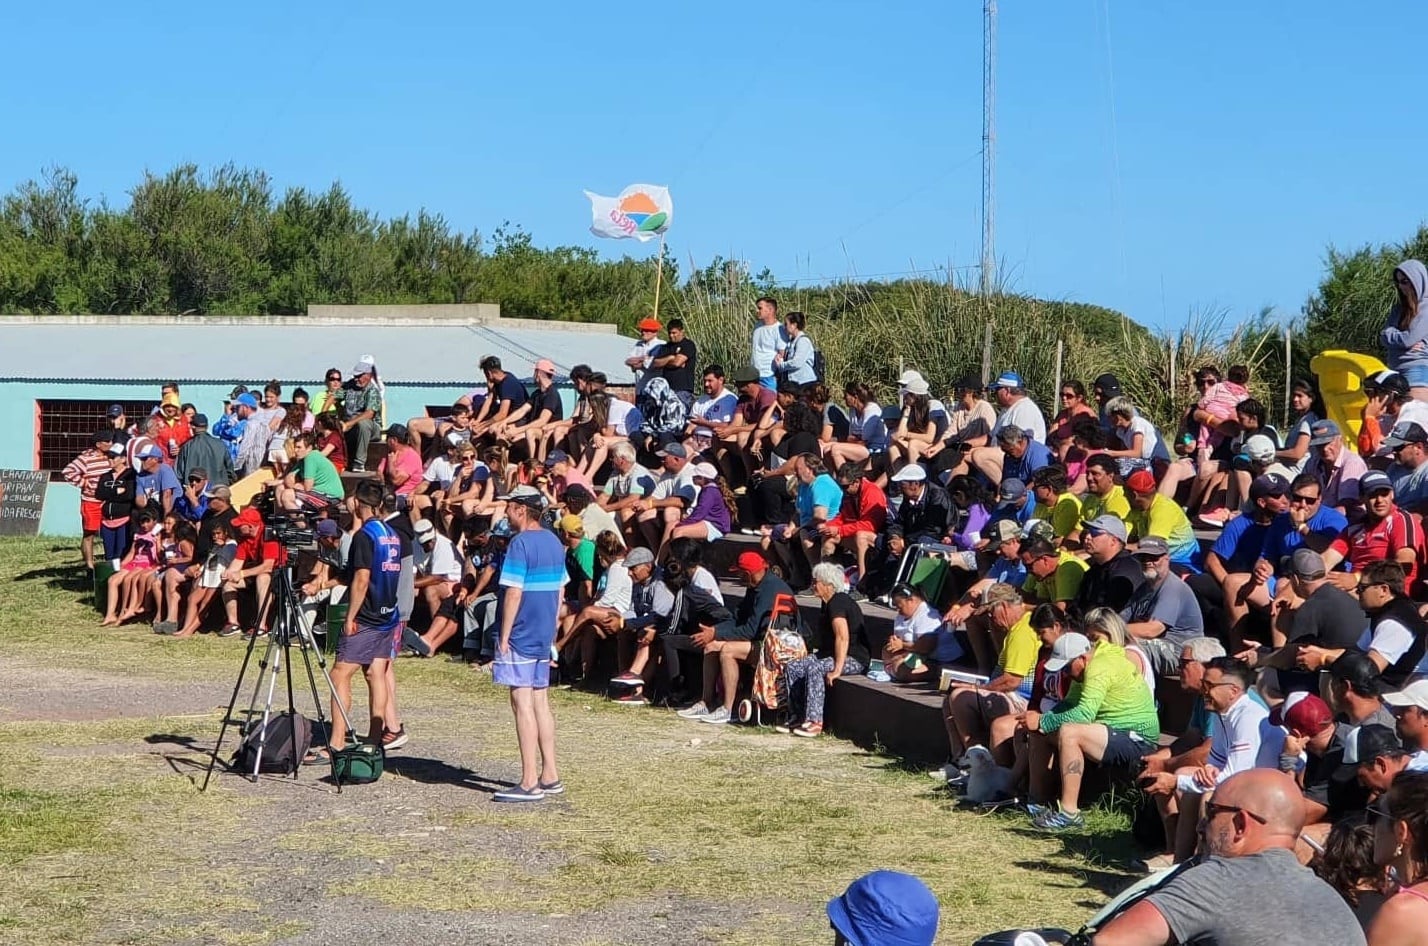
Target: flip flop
320 755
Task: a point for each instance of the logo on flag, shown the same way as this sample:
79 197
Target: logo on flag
641 212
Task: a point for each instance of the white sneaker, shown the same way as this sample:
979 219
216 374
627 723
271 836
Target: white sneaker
717 717
697 711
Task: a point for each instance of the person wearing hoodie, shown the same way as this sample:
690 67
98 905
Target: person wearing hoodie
1405 337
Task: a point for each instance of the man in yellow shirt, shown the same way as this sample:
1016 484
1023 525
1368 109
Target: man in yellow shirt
1053 576
1055 503
1153 513
1103 495
968 710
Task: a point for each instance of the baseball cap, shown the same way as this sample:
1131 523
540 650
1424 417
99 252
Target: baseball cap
1067 648
1303 714
502 530
745 376
649 325
424 530
1324 431
638 556
116 410
116 449
556 456
248 517
247 400
361 368
1415 694
1404 433
149 452
1307 564
675 449
1374 481
199 420
1268 484
1364 744
912 473
705 471
749 562
968 382
327 528
1141 481
221 492
525 495
1002 530
885 908
1007 379
397 432
102 436
454 439
1039 529
1260 449
998 593
1012 490
1109 524
1387 378
545 366
577 490
1152 546
1359 671
238 389
917 386
570 524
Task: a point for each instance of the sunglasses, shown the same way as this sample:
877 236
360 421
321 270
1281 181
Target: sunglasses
1303 500
195 480
334 377
1207 685
1067 395
1204 382
1212 809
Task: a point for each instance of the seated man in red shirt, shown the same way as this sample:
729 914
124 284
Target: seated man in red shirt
861 518
252 567
1386 533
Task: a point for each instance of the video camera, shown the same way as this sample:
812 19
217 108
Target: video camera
294 531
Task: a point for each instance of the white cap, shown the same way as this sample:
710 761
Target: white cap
1415 694
912 473
705 470
1260 449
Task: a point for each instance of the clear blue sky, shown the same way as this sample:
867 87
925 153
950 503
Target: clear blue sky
1154 157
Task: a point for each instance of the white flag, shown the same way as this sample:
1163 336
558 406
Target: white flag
642 212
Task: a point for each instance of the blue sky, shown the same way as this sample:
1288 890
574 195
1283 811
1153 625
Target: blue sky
1158 158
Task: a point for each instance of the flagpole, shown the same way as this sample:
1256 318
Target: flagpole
659 275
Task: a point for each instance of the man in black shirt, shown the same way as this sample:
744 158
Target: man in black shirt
675 361
505 396
1329 618
1114 575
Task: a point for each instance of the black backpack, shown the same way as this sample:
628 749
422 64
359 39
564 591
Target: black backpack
820 367
288 738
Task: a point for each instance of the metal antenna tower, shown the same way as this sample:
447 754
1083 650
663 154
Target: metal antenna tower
989 142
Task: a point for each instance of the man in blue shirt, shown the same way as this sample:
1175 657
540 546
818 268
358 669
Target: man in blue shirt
1235 566
1022 456
532 577
156 485
369 634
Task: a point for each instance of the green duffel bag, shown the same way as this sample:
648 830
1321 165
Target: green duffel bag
358 764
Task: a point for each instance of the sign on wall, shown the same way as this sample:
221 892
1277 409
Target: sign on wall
22 500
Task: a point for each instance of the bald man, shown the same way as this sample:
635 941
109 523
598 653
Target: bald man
1249 889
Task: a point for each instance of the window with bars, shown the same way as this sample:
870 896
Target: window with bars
64 427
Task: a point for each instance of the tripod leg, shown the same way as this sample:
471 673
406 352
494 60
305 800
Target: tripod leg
228 714
275 655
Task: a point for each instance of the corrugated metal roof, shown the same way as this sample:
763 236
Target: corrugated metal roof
293 349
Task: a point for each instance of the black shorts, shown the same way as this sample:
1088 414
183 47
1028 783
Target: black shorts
1125 748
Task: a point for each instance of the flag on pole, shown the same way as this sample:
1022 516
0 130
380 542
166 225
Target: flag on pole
641 212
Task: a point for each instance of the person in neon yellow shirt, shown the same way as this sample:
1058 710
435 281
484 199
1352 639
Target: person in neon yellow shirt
1103 495
968 711
1053 576
1153 513
1055 503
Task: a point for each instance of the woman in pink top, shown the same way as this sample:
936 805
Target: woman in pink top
1400 843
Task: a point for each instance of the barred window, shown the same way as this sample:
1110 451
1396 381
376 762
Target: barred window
63 428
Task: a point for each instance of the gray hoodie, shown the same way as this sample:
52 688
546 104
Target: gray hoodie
1408 348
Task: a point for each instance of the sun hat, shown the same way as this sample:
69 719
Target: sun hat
885 908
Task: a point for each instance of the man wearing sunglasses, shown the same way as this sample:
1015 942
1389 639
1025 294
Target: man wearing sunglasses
1386 533
1235 555
1409 470
1250 889
1114 576
1410 710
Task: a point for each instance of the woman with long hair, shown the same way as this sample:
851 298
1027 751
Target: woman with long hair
604 616
1405 337
330 441
1308 408
915 430
1347 866
867 433
1400 843
1074 406
712 515
1103 624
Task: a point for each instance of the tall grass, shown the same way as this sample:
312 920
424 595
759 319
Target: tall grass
871 331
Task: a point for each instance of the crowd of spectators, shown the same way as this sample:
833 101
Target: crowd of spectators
1052 565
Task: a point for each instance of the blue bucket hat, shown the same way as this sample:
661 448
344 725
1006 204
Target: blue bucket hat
885 908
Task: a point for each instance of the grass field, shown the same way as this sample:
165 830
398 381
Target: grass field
671 833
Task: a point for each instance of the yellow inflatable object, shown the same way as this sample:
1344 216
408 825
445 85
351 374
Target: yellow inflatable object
251 485
1341 380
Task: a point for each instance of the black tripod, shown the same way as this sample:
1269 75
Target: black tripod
288 629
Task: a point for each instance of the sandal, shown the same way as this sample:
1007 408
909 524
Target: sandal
319 755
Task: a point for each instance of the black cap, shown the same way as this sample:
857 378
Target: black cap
745 376
1358 670
1268 484
1372 742
968 382
102 436
397 432
199 420
1405 433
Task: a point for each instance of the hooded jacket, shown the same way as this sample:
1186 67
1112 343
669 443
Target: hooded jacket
1408 347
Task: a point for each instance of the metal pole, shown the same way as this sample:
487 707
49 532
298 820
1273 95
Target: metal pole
1288 372
989 141
987 356
1173 343
1056 391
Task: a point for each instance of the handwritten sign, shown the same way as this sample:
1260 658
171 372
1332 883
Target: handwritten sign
22 501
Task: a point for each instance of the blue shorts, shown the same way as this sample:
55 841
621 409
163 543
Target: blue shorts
770 382
1415 375
516 670
364 646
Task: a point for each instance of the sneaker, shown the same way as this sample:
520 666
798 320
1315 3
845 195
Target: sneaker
1059 819
1035 810
518 794
784 728
230 630
631 699
749 531
809 730
718 717
628 679
697 711
857 595
552 788
394 740
1213 518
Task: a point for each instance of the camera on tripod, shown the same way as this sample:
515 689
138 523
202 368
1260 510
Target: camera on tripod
294 530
